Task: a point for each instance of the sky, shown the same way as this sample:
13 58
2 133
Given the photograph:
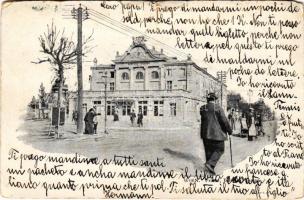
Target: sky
23 22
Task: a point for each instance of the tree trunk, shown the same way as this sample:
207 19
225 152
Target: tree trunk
59 97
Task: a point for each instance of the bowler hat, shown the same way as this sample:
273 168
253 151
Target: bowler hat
211 96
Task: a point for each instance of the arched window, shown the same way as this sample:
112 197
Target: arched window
139 75
125 76
155 75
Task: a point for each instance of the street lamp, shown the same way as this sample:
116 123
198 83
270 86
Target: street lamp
105 76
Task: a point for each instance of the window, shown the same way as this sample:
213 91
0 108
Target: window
158 108
110 108
143 107
169 72
112 86
125 76
126 108
173 109
97 105
84 107
155 75
139 75
183 72
112 74
169 85
96 102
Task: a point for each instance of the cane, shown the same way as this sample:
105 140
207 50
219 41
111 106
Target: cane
230 151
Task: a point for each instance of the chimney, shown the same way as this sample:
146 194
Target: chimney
117 53
161 51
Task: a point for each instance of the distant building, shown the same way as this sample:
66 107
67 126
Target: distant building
163 88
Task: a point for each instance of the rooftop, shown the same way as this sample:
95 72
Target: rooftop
139 52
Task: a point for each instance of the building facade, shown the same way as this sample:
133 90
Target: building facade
164 89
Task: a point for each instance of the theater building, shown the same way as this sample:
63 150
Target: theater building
166 90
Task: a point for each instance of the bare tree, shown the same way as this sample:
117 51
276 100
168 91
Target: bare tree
61 52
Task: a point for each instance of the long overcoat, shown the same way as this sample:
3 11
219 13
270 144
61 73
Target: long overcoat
214 123
89 123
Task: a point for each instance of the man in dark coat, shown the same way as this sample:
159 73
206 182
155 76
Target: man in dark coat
89 122
132 117
214 129
140 118
259 124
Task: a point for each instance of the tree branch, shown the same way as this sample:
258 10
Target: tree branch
42 61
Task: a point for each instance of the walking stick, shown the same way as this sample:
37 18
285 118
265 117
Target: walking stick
230 151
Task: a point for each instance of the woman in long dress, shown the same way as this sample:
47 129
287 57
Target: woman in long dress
244 127
238 123
251 125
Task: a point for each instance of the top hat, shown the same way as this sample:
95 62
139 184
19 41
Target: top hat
211 96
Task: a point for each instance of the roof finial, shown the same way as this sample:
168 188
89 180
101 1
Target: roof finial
138 40
95 61
189 57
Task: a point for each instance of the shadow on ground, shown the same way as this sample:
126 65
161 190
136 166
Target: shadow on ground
196 161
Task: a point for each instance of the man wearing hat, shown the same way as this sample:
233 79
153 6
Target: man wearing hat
214 129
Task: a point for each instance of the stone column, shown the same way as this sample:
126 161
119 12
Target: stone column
167 114
146 78
161 78
135 105
131 71
116 80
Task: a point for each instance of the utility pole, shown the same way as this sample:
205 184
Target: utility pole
80 14
105 76
221 75
221 91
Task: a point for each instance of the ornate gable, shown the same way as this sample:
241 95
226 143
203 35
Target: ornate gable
138 52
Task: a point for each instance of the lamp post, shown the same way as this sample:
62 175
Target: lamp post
105 76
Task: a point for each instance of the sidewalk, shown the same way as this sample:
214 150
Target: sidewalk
69 130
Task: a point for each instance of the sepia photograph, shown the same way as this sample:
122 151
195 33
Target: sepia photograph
143 99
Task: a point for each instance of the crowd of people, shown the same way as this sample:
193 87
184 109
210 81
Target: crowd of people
91 121
246 123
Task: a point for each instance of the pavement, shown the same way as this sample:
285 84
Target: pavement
178 147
